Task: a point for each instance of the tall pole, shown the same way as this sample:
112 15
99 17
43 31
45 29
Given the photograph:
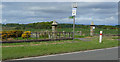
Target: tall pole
73 26
73 15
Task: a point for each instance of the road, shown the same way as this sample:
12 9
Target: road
99 54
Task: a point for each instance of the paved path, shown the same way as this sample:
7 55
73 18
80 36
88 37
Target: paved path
99 54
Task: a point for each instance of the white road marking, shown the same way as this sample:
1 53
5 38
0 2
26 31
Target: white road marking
64 54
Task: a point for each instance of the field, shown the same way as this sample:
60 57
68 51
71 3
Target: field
84 31
21 50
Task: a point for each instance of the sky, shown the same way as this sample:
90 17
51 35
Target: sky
101 13
60 0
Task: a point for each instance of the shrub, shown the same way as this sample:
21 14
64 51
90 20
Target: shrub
26 34
12 33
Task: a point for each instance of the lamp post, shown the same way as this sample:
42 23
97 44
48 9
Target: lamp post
74 7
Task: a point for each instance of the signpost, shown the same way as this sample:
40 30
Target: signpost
73 11
100 39
74 14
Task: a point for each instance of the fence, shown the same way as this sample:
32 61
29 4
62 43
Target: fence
36 36
86 32
50 36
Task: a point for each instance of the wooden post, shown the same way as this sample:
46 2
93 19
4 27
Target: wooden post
72 35
80 33
52 35
27 36
6 36
59 35
36 35
1 37
17 36
69 34
63 34
45 35
49 35
39 34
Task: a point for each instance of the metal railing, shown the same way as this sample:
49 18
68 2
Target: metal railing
36 36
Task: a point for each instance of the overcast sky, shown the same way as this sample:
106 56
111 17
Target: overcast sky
60 0
101 13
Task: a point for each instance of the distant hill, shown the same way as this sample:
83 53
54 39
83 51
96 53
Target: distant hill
47 25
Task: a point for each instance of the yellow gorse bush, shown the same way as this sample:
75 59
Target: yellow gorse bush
11 33
26 34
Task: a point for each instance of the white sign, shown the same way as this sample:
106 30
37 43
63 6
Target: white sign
74 12
93 27
100 39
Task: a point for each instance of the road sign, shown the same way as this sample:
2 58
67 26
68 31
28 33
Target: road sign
93 27
71 17
74 12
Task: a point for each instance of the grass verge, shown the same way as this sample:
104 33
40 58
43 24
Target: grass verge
47 49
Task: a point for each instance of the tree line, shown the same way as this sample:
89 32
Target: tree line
47 25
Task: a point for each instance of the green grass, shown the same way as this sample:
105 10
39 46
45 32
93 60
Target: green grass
78 36
47 49
27 43
116 37
82 36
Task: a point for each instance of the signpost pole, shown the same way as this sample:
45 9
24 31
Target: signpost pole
73 26
73 15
